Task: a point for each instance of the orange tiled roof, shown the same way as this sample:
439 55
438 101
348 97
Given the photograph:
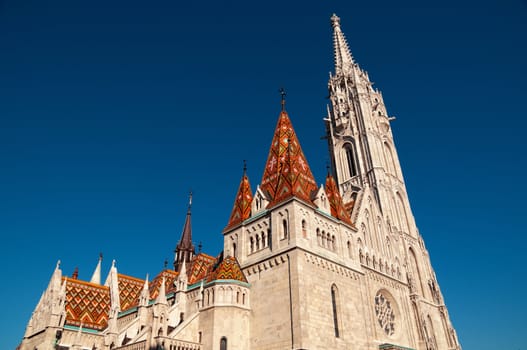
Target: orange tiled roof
287 173
129 290
87 303
227 269
201 265
170 277
335 200
242 204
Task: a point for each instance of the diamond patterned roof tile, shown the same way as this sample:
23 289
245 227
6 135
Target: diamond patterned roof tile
287 173
242 204
87 303
227 269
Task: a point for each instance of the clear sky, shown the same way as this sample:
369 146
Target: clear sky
111 111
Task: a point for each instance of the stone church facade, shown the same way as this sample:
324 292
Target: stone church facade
336 266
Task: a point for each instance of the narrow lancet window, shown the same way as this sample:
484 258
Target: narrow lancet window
335 309
350 157
223 343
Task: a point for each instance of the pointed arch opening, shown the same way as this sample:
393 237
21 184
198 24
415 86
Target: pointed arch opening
416 272
403 215
285 229
350 159
223 343
431 332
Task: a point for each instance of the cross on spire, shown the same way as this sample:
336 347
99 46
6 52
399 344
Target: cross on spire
282 94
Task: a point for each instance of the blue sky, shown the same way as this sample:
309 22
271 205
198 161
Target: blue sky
111 111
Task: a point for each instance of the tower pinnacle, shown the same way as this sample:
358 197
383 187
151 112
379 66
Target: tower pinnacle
282 94
185 249
343 58
96 277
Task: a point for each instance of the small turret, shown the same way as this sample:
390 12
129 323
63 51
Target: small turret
96 277
115 306
162 297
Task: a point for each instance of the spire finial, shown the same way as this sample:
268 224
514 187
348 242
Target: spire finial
335 20
190 200
327 168
100 256
282 94
244 167
343 59
200 246
165 264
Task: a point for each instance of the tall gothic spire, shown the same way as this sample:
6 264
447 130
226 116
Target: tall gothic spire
185 249
343 59
287 173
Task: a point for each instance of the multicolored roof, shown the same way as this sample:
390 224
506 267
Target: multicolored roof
227 269
129 290
242 204
87 304
335 201
201 266
287 173
170 278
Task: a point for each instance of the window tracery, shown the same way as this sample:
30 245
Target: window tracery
385 313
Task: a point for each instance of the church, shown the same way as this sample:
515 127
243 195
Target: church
340 265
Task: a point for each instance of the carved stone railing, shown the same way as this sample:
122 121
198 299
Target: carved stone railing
135 346
174 344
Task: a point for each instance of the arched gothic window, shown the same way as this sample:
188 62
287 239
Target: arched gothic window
350 159
223 343
284 228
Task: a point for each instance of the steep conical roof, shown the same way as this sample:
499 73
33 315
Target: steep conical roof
335 200
185 243
287 173
242 204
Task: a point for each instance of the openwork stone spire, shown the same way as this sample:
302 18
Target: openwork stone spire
242 204
343 59
287 173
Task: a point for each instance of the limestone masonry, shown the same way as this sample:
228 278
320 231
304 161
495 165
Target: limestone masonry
336 266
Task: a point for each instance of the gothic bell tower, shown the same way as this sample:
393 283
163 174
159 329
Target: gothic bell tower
369 176
358 129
